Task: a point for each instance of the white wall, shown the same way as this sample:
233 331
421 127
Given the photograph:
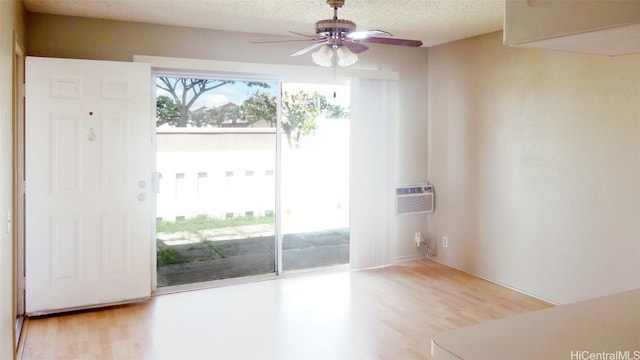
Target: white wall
60 36
11 18
204 186
535 158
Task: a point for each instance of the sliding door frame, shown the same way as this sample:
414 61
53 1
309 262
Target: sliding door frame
186 73
257 71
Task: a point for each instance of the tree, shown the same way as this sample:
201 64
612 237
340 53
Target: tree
259 107
336 111
184 92
300 109
167 111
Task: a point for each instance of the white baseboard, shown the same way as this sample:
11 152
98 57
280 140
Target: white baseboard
510 287
401 259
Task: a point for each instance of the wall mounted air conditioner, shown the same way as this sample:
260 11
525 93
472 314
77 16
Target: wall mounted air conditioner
414 199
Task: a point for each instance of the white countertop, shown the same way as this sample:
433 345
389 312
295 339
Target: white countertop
609 324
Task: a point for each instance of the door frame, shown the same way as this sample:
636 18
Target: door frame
185 71
18 186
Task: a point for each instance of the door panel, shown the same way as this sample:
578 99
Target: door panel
64 151
88 165
114 247
64 244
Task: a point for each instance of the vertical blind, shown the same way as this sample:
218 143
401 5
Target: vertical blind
372 171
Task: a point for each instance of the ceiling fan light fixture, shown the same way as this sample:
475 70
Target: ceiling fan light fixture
323 56
345 56
339 40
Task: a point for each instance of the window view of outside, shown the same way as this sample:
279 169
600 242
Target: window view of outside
216 155
315 176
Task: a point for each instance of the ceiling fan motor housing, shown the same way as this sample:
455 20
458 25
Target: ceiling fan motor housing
335 27
335 3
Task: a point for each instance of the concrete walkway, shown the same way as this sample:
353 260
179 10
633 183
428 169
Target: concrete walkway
219 234
247 250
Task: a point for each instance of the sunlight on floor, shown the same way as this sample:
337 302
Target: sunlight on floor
311 310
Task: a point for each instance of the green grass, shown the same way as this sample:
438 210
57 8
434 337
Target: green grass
216 249
168 256
204 222
205 243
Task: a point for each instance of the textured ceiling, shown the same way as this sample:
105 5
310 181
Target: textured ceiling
432 21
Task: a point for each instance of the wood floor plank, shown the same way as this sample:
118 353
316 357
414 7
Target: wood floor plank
384 313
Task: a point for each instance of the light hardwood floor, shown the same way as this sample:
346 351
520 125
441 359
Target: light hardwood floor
384 313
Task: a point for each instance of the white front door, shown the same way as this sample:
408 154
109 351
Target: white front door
89 158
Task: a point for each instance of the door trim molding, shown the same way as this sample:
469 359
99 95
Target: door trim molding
285 73
17 207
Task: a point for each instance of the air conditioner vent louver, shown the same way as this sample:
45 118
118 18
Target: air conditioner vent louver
414 199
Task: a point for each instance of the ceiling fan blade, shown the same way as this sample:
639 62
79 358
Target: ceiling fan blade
279 41
392 41
307 38
306 49
367 33
305 35
355 47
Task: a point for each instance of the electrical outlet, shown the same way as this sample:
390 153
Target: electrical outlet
445 241
417 237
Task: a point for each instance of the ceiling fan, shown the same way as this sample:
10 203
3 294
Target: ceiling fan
339 39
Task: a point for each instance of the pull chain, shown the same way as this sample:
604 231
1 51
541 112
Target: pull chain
335 80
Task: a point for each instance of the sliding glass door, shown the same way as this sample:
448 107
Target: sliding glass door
221 177
315 175
216 155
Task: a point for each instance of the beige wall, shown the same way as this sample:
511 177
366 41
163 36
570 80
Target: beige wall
11 19
534 154
535 158
71 37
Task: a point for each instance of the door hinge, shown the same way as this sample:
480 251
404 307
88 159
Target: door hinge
9 222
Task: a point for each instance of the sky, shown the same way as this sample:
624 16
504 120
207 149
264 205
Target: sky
235 93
